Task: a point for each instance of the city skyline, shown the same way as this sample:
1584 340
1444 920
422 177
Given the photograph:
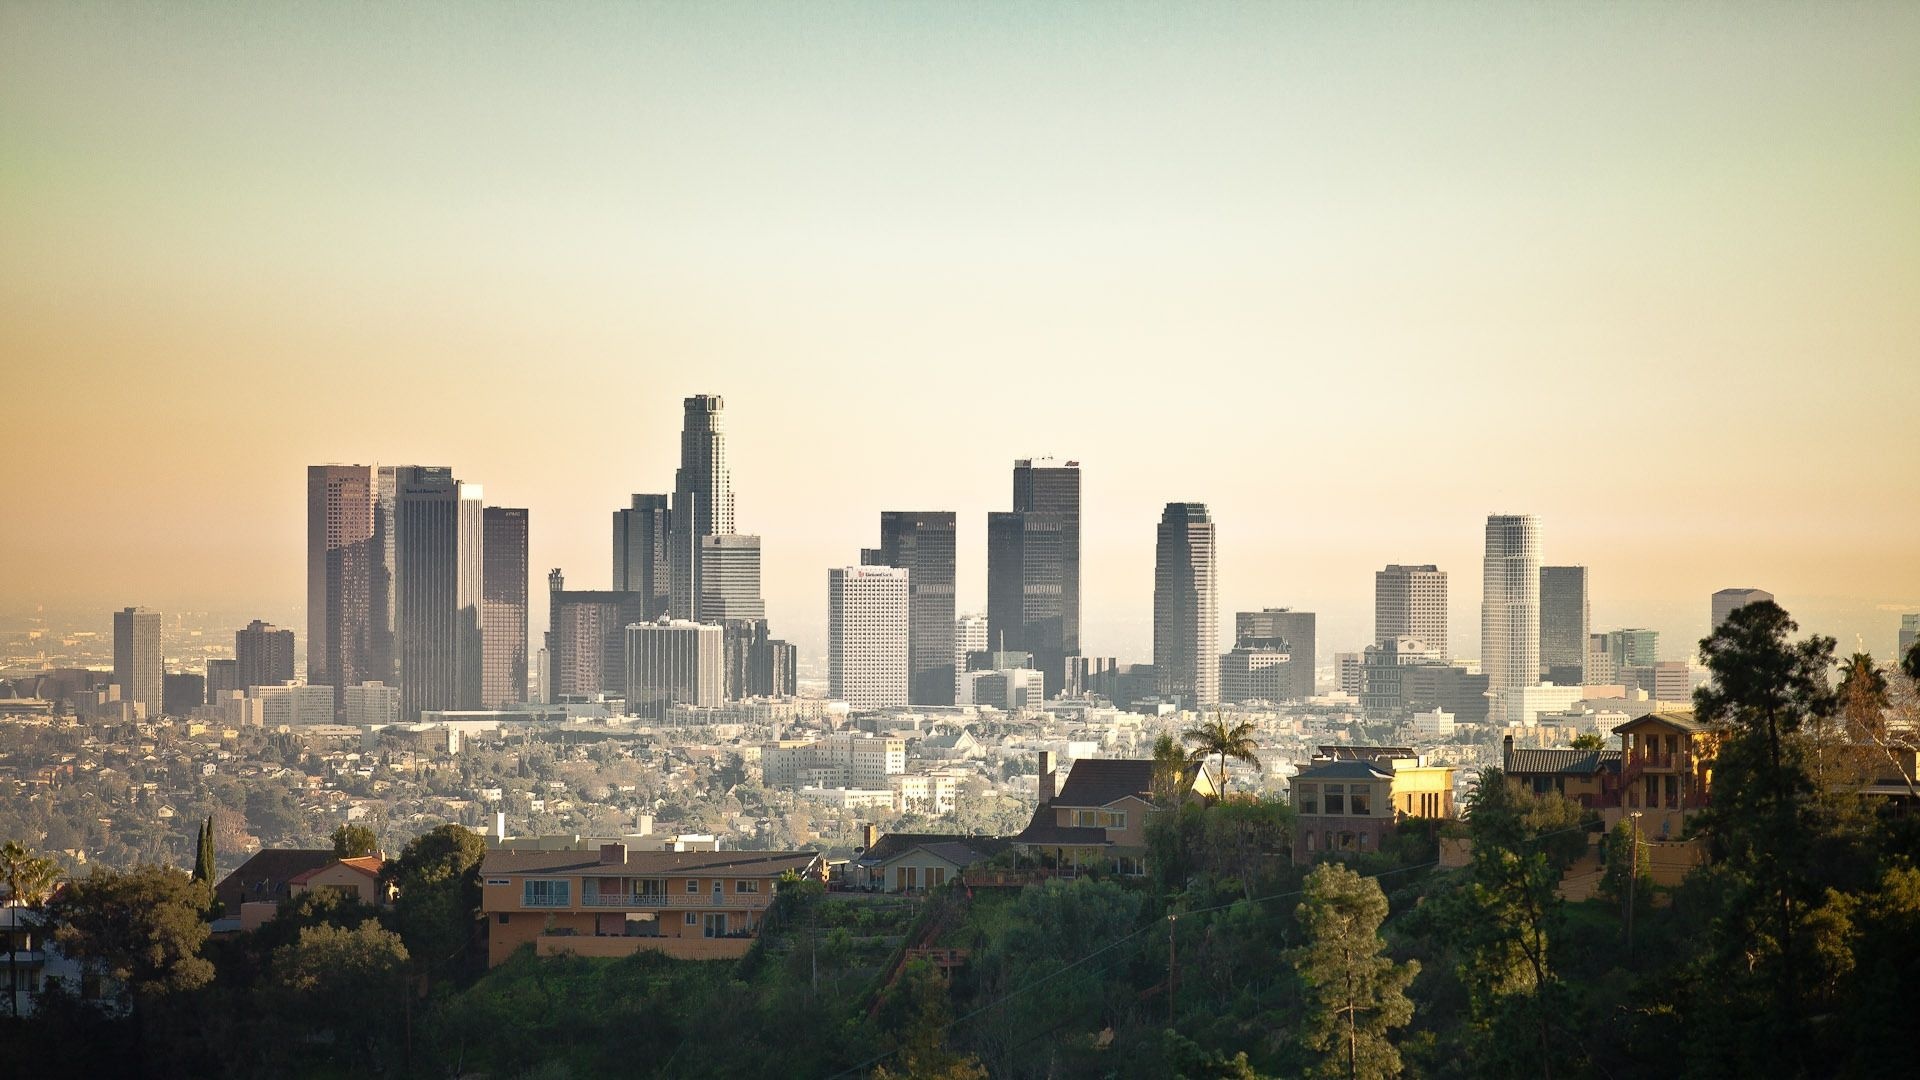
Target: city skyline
1720 238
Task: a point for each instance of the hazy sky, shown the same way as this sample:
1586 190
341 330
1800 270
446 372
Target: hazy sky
1354 275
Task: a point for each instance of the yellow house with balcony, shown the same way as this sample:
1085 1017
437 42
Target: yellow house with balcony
693 905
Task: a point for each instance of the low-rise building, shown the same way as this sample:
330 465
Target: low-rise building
1350 798
616 901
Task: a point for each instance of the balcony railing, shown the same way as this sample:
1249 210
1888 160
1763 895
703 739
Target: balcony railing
704 900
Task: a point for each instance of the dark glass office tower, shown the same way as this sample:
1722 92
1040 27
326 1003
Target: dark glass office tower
642 534
922 543
503 611
1033 568
264 653
1565 617
438 567
1186 612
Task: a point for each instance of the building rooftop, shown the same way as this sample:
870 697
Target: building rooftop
1103 781
642 863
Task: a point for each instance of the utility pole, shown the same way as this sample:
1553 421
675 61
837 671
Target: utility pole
1170 970
1633 878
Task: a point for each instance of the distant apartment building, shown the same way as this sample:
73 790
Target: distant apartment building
1348 674
969 637
1382 676
138 662
587 639
845 760
294 706
1565 624
1411 602
1256 672
371 703
264 653
673 662
1671 682
867 628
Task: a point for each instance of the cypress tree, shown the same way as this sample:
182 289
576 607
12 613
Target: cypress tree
203 860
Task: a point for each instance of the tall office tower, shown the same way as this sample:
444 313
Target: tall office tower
438 570
1633 648
867 636
265 655
673 662
1909 633
775 669
1411 601
1288 630
341 579
702 497
136 659
969 636
729 579
641 535
383 658
922 543
1033 567
742 641
587 639
1565 624
503 607
1186 611
1726 600
1510 607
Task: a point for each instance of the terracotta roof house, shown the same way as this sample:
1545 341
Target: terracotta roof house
358 877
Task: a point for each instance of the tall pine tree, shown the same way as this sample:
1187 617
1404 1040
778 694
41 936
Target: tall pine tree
1355 994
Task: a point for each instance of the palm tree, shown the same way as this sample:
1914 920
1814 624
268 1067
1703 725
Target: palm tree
29 877
1215 738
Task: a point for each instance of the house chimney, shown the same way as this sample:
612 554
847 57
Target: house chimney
869 835
613 854
1046 778
1506 756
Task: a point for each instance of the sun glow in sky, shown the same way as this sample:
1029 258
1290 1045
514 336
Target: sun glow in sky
1354 275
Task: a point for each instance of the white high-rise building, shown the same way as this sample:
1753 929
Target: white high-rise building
1510 609
674 662
867 636
138 667
969 636
1411 602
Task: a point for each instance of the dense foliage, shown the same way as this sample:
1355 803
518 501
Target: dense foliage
1795 952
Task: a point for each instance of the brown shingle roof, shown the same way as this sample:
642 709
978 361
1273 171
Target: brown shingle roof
1104 781
1564 762
265 876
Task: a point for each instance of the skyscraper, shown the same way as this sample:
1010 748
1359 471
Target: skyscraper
342 584
1186 613
1282 629
702 497
1633 648
137 661
969 636
729 579
1909 633
503 611
438 563
641 538
672 662
1033 567
1727 600
867 636
264 653
922 543
1411 601
1510 607
1565 623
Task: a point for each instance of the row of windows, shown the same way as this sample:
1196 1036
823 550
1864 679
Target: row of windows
1345 841
1355 800
1100 819
558 892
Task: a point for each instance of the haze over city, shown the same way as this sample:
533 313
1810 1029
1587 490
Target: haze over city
1355 277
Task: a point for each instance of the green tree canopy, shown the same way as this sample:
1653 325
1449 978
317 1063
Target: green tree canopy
438 876
350 841
1355 994
145 927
